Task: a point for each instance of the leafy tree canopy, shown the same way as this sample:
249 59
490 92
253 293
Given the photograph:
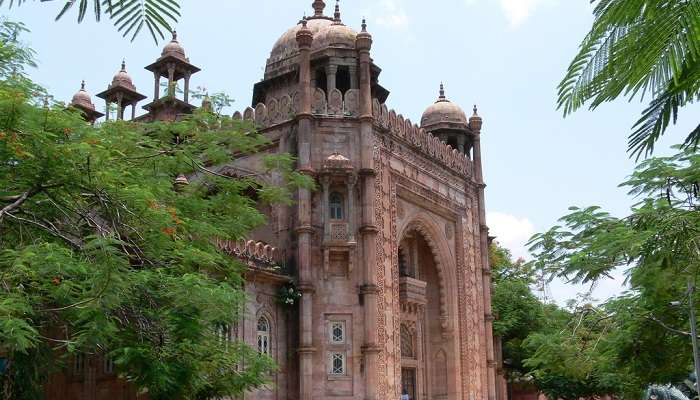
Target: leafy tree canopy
99 254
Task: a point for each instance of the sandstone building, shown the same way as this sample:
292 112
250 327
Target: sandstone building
391 253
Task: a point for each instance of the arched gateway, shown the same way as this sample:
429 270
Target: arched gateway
427 279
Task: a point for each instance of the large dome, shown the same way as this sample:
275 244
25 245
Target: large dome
82 98
327 33
443 111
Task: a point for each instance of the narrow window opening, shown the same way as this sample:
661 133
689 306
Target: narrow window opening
321 81
336 206
264 336
342 80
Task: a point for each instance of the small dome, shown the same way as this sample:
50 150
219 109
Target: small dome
82 98
174 48
327 33
122 78
443 111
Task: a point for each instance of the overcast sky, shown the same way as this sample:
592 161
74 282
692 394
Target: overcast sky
507 56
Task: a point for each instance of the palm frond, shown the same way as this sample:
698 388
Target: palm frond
637 48
128 16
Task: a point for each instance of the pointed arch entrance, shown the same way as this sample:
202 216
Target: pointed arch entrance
426 285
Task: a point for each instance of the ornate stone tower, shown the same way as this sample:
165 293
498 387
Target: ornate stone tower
122 93
391 251
174 66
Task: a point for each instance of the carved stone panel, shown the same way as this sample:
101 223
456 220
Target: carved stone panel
318 103
335 102
352 102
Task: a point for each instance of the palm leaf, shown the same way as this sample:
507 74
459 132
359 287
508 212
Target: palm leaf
128 16
637 48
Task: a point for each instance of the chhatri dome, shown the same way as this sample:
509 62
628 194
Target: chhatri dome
123 79
328 32
443 112
82 98
174 48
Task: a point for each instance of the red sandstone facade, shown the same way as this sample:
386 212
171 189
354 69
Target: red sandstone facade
391 253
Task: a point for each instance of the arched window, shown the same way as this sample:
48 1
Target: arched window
264 336
336 205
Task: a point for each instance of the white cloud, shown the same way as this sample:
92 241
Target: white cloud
516 11
391 14
511 232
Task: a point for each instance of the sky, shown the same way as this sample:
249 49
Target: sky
507 56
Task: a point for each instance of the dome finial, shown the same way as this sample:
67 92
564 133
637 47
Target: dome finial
174 35
442 92
123 65
82 85
318 6
476 114
336 16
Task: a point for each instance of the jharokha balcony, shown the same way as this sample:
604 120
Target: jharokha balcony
412 293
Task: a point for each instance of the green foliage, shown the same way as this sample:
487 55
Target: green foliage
637 48
639 338
101 254
128 16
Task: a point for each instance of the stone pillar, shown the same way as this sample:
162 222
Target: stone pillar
331 78
461 139
354 84
351 207
156 87
368 229
106 110
120 108
171 79
133 111
187 86
325 184
304 230
475 124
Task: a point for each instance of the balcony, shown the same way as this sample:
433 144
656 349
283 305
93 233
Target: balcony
412 292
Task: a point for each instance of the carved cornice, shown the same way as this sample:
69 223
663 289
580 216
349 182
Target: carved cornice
369 289
371 348
369 229
304 229
307 287
306 350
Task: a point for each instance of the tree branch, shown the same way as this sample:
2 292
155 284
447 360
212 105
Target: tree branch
19 201
663 325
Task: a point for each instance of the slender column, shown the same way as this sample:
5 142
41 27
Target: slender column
133 111
106 110
304 230
187 87
120 108
369 229
354 84
331 77
156 87
325 183
484 250
171 80
351 207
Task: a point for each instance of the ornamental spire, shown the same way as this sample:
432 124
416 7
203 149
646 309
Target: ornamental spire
336 16
318 6
442 92
364 24
123 65
82 85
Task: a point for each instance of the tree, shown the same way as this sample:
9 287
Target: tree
637 48
648 341
100 253
128 16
